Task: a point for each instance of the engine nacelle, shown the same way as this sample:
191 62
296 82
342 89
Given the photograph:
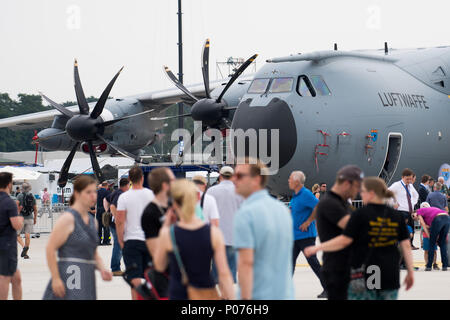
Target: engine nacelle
62 142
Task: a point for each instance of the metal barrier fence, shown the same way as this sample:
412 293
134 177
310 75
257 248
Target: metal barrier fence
47 217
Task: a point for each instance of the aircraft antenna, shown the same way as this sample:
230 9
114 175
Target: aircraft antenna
335 47
386 50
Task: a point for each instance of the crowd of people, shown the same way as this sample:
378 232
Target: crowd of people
204 240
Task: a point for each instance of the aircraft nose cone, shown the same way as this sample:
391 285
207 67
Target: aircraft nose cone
276 115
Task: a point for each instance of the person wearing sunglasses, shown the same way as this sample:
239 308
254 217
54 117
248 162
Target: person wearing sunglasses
262 235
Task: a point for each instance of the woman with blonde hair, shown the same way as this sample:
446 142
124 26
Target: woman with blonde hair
316 190
374 232
188 244
75 239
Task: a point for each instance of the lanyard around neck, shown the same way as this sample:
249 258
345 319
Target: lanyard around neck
406 188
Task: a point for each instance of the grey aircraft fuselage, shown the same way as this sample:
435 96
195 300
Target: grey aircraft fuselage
374 102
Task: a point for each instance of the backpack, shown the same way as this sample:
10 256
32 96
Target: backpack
27 204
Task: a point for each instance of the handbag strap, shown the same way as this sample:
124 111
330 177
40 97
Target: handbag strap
176 252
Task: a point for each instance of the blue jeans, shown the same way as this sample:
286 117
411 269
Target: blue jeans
231 259
117 251
438 232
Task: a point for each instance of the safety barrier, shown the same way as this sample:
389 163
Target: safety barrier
47 217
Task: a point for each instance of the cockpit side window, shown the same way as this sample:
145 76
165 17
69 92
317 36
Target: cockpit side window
259 85
320 86
281 85
304 87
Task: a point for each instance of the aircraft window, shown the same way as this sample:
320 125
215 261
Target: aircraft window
320 86
304 87
258 86
281 85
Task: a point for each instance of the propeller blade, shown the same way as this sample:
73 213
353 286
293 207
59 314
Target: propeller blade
98 109
236 75
201 129
170 117
95 166
38 140
205 67
63 175
111 122
81 99
57 106
122 151
229 108
178 84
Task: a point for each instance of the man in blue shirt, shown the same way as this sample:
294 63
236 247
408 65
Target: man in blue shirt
262 234
302 206
437 199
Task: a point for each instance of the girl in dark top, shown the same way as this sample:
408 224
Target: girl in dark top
374 232
75 239
197 243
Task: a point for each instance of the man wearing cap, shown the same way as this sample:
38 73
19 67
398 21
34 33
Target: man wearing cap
228 202
333 212
207 202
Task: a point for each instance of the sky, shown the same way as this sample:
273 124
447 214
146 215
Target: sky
41 38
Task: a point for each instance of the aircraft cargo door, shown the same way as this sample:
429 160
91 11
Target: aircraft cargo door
393 153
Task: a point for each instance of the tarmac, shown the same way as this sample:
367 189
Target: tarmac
434 285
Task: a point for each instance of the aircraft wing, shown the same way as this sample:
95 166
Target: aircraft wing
34 120
175 95
157 100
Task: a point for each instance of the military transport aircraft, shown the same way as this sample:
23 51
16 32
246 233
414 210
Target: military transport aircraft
379 109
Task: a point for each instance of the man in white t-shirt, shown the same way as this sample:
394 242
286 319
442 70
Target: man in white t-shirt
130 206
207 202
228 202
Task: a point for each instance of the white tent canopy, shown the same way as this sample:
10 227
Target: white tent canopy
21 173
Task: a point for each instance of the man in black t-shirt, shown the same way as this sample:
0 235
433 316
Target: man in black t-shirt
333 213
10 223
153 217
111 199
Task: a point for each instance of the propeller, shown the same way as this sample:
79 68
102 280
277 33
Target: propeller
88 127
213 113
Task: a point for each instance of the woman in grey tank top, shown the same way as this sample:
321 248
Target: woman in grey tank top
75 239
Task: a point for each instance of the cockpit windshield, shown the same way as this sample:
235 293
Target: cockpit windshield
281 85
258 86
